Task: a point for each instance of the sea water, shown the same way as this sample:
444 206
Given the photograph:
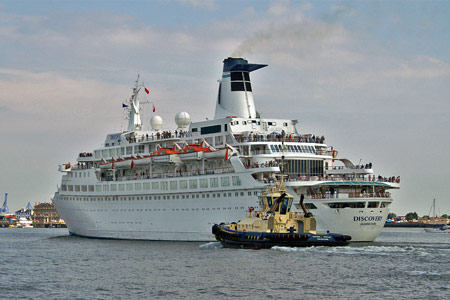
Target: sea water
50 264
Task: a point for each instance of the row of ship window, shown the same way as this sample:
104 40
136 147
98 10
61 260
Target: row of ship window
156 185
161 209
79 174
370 204
160 197
293 148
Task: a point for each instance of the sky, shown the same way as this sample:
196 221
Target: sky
373 77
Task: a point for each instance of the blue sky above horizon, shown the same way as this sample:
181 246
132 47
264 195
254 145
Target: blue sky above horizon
372 76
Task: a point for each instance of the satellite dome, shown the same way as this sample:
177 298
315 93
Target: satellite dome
156 122
182 119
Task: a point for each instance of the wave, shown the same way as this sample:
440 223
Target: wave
211 245
427 273
358 250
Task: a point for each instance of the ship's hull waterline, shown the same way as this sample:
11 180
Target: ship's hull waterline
172 219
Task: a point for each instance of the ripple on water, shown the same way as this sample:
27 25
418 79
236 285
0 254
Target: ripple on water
41 264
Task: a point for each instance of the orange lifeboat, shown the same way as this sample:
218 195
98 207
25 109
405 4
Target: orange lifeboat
165 155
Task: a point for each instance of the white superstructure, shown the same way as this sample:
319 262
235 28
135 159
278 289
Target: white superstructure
174 185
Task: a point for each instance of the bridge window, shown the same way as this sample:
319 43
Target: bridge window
211 129
372 204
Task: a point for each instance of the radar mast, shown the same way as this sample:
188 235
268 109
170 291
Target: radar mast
134 118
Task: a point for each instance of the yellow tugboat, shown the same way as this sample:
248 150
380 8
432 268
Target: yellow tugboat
275 225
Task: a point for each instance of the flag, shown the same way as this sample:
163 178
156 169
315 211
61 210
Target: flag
124 105
154 108
147 91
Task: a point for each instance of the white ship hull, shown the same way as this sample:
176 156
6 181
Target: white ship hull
162 185
363 225
161 216
167 216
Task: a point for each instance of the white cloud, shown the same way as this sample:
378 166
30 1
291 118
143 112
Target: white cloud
54 99
79 68
279 8
199 3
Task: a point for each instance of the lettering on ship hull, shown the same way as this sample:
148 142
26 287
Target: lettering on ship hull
368 219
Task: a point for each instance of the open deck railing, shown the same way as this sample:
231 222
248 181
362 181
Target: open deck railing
357 167
369 178
267 164
348 195
280 138
156 175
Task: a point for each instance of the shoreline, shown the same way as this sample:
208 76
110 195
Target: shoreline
412 225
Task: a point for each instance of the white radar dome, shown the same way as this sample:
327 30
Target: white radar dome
182 119
156 122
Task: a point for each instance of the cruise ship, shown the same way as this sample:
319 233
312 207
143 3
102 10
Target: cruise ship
152 183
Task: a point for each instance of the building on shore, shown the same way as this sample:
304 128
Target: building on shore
45 215
24 212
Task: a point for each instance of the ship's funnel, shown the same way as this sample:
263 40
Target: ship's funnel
235 96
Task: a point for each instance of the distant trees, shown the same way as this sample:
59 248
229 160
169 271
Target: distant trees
411 216
392 216
414 216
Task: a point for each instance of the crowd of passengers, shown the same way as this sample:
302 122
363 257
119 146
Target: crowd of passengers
158 136
120 176
84 165
274 137
85 154
388 179
366 166
372 178
334 193
272 163
362 166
